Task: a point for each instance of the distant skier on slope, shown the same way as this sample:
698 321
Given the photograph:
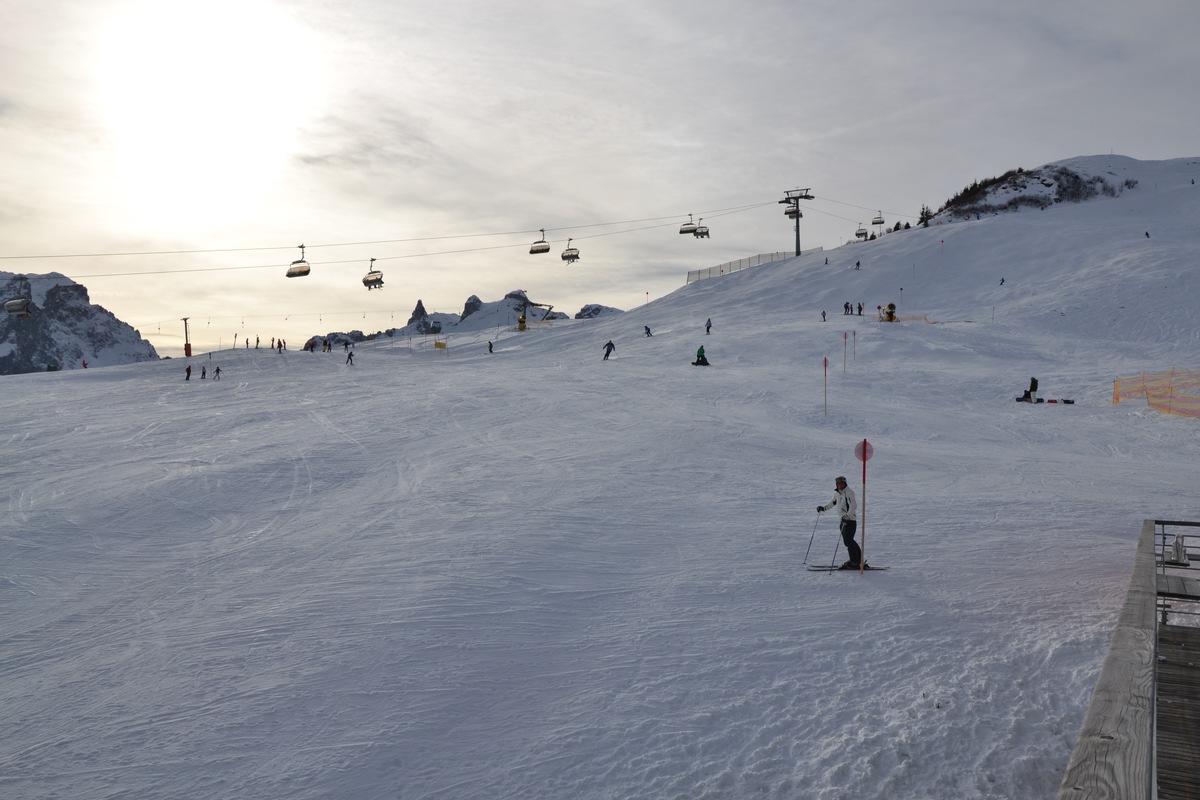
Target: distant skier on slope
609 349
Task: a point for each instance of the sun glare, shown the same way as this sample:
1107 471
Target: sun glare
202 101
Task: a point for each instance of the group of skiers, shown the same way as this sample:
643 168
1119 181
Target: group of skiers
610 348
187 373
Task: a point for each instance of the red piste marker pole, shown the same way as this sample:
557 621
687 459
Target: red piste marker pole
863 452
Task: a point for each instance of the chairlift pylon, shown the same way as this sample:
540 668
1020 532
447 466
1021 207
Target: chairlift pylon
571 254
688 227
374 278
299 268
541 245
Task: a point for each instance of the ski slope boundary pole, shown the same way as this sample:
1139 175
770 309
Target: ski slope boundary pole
863 452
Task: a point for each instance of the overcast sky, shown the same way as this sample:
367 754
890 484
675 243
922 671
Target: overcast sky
438 139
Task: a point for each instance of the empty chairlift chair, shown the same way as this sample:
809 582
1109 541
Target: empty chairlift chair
299 268
701 231
18 307
571 254
374 278
862 232
688 227
540 246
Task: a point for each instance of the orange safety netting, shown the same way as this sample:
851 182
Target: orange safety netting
1174 392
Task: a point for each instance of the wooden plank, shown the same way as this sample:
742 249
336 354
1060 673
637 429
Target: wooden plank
1178 725
1178 586
1113 757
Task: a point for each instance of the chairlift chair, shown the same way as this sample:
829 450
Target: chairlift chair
541 245
374 278
571 254
688 227
299 268
878 219
701 231
793 212
862 232
18 307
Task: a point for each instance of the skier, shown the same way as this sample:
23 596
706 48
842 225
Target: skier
822 316
843 500
648 333
217 374
609 349
858 265
187 373
203 373
350 358
707 326
489 347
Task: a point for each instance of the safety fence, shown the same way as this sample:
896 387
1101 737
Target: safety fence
1173 392
742 263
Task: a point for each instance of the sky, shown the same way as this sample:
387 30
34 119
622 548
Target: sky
212 139
533 574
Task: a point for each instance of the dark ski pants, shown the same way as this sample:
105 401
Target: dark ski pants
849 528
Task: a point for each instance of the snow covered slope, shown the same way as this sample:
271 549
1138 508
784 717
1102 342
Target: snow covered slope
439 573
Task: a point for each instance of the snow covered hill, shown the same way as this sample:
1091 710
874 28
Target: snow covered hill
64 331
444 573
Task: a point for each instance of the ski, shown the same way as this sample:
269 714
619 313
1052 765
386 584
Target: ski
868 568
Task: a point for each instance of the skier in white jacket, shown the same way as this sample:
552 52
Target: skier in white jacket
847 507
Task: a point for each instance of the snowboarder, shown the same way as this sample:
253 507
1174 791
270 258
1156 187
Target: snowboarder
217 374
648 333
701 359
822 316
609 349
1033 386
350 358
203 373
847 507
708 326
860 309
187 373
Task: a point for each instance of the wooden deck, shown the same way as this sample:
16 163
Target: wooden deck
1178 712
1141 735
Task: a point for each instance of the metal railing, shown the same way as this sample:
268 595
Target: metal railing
742 263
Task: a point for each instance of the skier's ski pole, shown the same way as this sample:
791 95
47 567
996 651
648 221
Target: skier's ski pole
810 539
836 545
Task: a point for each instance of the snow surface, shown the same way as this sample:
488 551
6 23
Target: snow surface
536 574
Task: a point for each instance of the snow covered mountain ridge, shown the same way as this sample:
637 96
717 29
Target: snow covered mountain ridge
64 329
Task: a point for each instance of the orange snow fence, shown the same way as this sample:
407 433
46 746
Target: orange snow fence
1174 392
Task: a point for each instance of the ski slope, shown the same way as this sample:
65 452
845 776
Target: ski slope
444 574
